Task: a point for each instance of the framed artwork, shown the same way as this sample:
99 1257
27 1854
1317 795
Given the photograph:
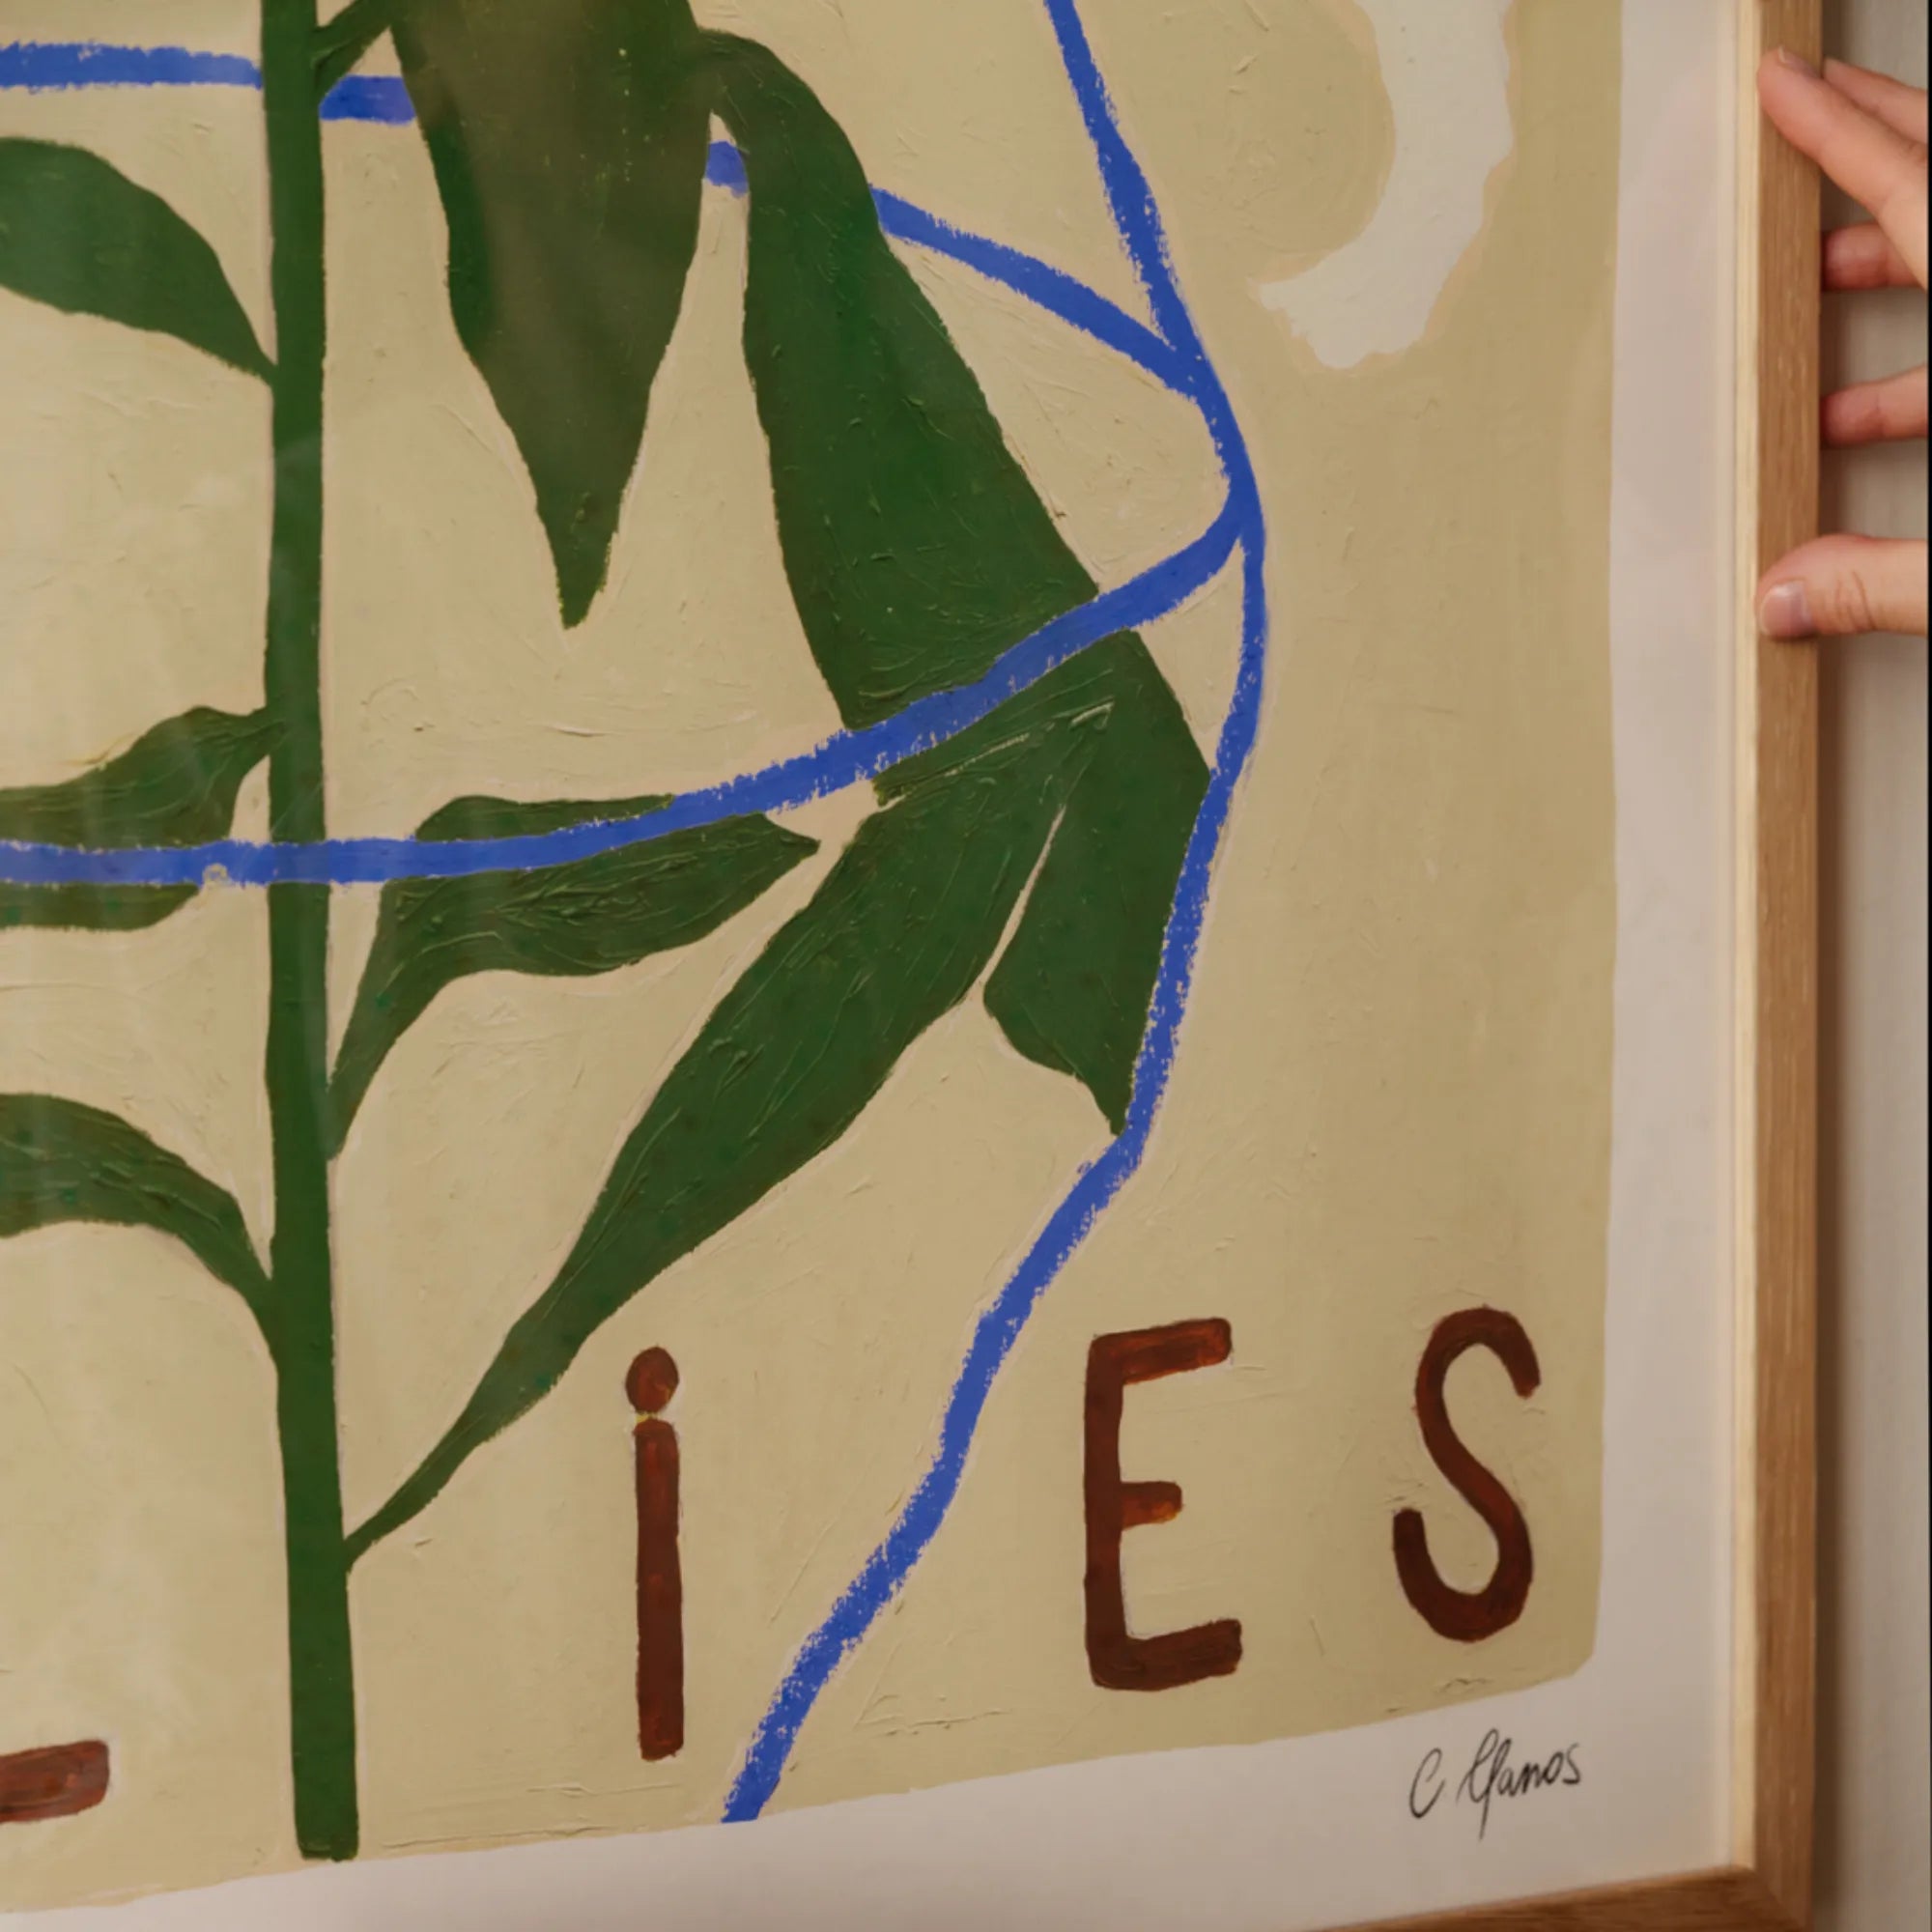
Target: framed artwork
906 965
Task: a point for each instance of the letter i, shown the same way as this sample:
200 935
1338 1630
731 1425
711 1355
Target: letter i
650 1385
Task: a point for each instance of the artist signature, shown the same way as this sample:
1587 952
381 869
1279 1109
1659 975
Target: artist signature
1492 1773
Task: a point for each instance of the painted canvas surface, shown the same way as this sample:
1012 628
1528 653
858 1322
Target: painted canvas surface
807 899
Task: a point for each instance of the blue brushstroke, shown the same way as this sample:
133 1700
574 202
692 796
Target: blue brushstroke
845 759
39 66
380 97
48 67
885 1570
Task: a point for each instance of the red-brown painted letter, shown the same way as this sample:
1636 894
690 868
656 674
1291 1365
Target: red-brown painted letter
1465 1617
1120 1661
55 1782
650 1385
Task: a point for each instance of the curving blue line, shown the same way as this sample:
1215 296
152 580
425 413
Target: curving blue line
998 1327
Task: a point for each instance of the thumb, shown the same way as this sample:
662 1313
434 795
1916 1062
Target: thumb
1842 586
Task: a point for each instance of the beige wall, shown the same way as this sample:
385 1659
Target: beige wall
1876 1864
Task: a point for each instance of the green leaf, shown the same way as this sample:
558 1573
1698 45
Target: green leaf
175 786
568 143
77 234
917 550
587 917
1073 988
60 1161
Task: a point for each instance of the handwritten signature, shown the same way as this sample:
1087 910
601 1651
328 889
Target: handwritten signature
1491 1774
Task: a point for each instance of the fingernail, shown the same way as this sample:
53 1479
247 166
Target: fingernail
1785 614
1796 62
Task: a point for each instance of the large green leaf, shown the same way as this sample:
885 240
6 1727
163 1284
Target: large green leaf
917 550
569 141
175 786
77 234
60 1161
587 917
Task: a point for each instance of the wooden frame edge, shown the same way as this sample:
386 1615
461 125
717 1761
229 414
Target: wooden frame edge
1776 1133
1769 1886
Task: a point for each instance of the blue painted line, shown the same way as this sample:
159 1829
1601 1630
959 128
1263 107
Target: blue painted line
999 1328
48 67
380 97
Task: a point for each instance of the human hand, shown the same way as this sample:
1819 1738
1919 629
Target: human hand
1867 132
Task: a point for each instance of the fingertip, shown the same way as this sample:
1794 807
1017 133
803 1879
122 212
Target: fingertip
1784 612
1786 61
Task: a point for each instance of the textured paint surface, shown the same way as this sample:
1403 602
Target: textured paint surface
485 1689
1447 71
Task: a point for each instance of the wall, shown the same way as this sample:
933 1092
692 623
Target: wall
1874 1870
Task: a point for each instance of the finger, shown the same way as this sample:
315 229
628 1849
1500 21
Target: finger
1891 411
1900 107
1861 258
1873 164
1843 587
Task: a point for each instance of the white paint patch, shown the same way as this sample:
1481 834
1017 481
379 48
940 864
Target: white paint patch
1446 66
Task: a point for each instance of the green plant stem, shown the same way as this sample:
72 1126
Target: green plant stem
321 1659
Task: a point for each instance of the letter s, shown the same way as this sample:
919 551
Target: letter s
1464 1616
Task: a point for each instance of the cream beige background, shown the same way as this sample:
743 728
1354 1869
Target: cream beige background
1393 1093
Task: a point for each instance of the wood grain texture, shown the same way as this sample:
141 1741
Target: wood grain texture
1716 1901
1778 996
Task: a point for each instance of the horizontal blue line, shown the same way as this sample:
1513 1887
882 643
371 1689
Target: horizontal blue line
48 67
846 759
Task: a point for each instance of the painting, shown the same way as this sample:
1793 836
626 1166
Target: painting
809 902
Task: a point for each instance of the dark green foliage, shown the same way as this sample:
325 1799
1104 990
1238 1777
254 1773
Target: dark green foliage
175 786
590 917
1072 988
569 141
78 235
60 1161
917 550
